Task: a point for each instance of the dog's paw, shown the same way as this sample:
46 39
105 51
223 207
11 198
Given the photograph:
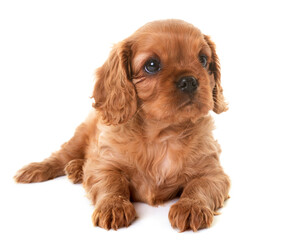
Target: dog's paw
34 172
113 213
74 170
188 214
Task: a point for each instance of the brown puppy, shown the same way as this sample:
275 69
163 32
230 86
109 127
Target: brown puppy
150 138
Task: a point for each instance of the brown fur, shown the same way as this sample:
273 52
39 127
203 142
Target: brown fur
148 141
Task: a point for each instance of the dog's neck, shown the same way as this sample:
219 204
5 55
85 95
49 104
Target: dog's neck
162 130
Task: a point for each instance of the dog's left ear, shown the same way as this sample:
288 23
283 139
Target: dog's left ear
114 92
214 68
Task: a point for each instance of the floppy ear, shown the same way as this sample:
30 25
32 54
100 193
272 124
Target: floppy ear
214 68
114 93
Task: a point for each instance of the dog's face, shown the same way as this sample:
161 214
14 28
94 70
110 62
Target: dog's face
167 70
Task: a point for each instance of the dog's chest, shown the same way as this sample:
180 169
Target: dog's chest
158 179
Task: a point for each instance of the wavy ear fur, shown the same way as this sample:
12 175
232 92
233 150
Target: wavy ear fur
114 93
219 103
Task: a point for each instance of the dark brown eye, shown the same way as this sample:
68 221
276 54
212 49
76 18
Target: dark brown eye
203 60
152 66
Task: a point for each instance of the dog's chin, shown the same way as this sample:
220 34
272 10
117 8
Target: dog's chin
193 110
190 110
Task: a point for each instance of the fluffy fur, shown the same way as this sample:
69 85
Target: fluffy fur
147 140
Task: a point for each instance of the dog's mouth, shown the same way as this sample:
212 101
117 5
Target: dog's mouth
186 103
192 105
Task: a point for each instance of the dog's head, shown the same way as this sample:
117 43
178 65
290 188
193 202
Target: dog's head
167 70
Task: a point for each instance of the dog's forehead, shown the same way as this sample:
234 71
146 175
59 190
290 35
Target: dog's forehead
167 35
170 26
172 40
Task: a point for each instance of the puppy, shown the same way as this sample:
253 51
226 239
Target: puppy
149 138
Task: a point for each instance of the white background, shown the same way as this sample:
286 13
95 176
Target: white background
48 53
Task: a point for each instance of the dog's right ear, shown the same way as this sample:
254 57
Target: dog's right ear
114 93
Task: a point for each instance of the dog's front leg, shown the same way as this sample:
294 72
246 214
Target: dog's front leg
200 199
108 188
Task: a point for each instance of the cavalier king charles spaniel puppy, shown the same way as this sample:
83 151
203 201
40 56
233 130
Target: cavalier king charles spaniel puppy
149 137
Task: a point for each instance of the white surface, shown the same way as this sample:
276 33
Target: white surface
48 54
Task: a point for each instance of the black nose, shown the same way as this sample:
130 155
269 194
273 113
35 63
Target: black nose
187 84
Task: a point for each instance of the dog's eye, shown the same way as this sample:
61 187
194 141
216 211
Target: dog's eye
152 66
203 60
